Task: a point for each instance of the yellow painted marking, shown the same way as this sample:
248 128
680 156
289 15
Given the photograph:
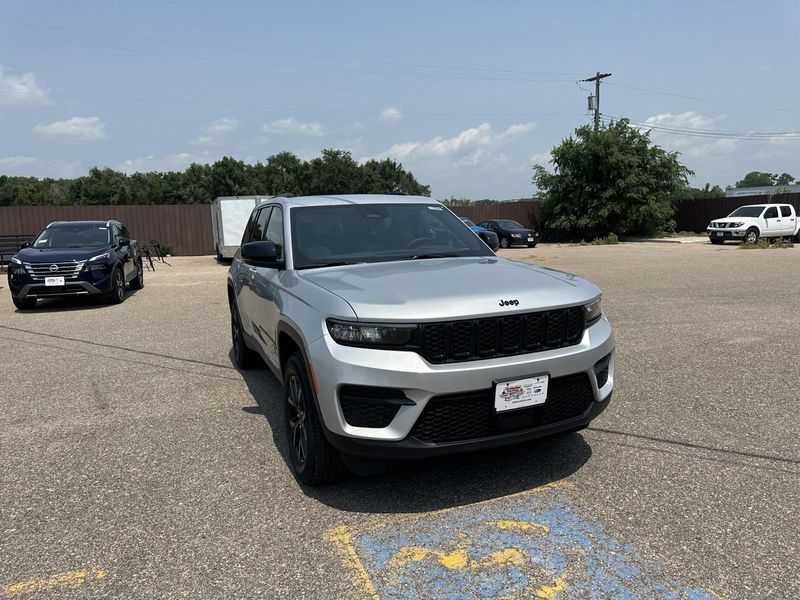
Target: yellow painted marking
67 579
342 537
549 592
458 559
501 558
523 525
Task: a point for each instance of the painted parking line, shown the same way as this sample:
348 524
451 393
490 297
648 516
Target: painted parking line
531 545
57 582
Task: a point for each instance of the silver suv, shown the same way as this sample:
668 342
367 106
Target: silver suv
399 334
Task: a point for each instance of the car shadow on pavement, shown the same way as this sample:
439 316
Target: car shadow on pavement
434 483
68 303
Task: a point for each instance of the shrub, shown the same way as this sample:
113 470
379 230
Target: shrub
765 243
611 238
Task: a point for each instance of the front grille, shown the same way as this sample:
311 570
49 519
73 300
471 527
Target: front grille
67 270
471 415
368 406
501 336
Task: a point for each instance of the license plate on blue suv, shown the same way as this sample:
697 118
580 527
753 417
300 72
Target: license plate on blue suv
48 281
520 393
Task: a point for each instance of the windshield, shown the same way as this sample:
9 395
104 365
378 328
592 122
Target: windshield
73 236
354 233
467 222
508 224
747 211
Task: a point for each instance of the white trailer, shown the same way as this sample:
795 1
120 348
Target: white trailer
229 216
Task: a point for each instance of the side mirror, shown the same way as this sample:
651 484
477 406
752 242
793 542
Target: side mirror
261 254
123 241
24 245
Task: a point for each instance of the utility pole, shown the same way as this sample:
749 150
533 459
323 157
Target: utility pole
597 78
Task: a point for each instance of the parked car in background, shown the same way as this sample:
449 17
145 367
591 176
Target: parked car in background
489 237
510 233
754 221
76 258
394 344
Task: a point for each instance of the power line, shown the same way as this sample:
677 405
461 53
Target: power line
711 133
298 109
293 54
710 100
280 65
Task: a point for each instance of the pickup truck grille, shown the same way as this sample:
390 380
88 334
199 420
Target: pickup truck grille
501 336
471 415
67 270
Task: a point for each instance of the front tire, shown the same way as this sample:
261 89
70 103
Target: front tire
751 237
314 460
117 293
504 243
716 242
24 303
138 282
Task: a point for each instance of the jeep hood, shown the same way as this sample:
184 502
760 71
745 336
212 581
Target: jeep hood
450 288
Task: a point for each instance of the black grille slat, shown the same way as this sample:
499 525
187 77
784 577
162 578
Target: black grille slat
501 336
471 415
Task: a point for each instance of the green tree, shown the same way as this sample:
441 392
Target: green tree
783 179
453 202
756 179
388 177
609 181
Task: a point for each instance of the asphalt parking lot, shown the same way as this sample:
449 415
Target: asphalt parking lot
136 462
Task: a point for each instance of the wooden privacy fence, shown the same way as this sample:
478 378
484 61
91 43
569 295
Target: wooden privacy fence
527 213
184 227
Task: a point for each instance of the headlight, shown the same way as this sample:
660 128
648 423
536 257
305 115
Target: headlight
103 256
592 312
735 224
370 334
15 260
517 235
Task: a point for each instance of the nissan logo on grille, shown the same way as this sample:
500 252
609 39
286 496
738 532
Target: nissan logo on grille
53 268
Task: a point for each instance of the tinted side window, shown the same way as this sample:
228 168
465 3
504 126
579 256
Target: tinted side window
261 224
248 230
786 211
123 231
274 232
771 213
115 234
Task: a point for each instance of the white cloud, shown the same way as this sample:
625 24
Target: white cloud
14 165
687 144
542 158
217 130
170 162
391 114
21 89
74 130
468 147
291 126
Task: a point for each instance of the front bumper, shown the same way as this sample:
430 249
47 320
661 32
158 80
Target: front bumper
86 284
334 366
726 234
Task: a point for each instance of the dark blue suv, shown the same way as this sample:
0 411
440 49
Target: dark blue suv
73 258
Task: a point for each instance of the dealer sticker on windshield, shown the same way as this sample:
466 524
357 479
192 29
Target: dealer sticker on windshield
520 393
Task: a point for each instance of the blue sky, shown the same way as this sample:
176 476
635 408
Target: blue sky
467 95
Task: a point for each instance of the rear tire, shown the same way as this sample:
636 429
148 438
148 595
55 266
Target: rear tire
243 357
24 303
314 460
137 282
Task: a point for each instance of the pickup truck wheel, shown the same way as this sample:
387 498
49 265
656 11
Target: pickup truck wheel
24 303
751 237
243 357
117 293
137 282
713 241
314 460
504 243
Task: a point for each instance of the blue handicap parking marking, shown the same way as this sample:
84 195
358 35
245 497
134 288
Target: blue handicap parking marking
533 545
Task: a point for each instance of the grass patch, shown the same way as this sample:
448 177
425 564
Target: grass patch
611 238
765 243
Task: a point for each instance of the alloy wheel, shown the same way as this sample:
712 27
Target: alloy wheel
297 419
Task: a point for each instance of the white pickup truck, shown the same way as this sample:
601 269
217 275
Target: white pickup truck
749 223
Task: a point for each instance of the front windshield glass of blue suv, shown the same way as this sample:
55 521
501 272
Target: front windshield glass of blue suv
357 233
73 236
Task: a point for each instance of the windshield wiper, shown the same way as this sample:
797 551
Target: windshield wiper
431 255
339 263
